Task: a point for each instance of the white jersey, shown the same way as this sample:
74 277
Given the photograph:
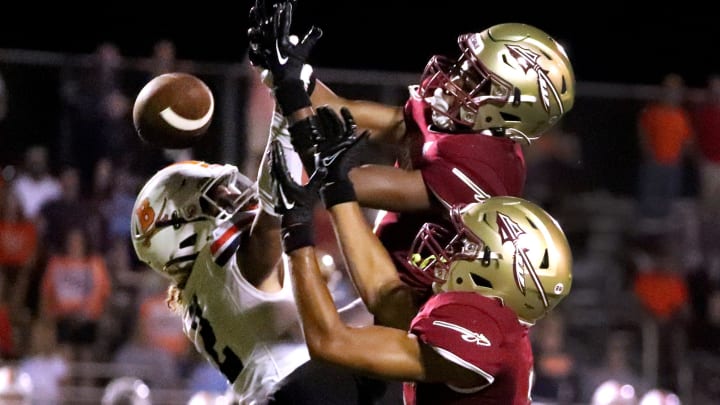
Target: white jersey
253 337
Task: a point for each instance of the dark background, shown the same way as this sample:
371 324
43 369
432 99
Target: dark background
606 41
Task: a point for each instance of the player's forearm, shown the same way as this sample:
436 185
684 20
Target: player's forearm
386 123
317 309
375 350
370 266
390 188
260 252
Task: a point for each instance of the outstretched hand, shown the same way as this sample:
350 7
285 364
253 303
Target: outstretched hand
336 151
271 44
295 202
260 33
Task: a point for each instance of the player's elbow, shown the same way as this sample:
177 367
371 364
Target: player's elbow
329 346
394 305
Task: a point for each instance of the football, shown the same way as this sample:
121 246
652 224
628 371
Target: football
173 110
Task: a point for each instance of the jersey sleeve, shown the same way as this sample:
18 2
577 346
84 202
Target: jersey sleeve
463 332
469 168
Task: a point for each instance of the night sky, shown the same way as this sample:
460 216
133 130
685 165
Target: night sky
606 42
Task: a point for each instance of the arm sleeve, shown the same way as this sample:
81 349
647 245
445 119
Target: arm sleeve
468 168
463 333
265 182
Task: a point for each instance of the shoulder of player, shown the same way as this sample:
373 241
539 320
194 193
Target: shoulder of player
471 302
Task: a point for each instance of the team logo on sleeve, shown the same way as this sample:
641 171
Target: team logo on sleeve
466 334
480 194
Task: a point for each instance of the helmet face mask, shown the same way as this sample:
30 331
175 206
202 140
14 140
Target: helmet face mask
511 79
178 209
506 248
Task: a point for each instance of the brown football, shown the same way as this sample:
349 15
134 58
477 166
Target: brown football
173 110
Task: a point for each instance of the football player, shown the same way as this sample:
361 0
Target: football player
200 225
460 131
501 266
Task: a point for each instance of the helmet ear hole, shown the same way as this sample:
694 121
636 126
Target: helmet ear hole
507 117
480 281
545 264
189 241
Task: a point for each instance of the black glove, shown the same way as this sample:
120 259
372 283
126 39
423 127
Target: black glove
304 135
261 31
295 203
287 59
336 150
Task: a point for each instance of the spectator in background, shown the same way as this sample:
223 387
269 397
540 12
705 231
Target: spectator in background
122 309
616 366
96 121
140 356
46 365
66 211
148 159
164 59
18 258
556 373
661 288
556 155
707 127
35 185
162 328
74 292
158 341
664 131
113 198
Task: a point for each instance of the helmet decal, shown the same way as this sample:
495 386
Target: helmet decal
146 215
510 231
147 218
528 59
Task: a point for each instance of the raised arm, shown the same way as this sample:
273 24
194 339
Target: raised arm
369 264
380 351
385 122
275 50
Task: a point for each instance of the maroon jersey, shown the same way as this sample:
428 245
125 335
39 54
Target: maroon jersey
482 335
463 167
456 168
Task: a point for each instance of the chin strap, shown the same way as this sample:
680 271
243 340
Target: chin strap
519 136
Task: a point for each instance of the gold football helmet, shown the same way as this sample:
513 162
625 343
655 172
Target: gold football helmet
506 248
512 78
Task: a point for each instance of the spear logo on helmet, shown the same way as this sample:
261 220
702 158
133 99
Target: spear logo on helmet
510 231
529 60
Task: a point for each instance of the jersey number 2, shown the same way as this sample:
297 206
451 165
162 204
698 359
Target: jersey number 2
231 366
